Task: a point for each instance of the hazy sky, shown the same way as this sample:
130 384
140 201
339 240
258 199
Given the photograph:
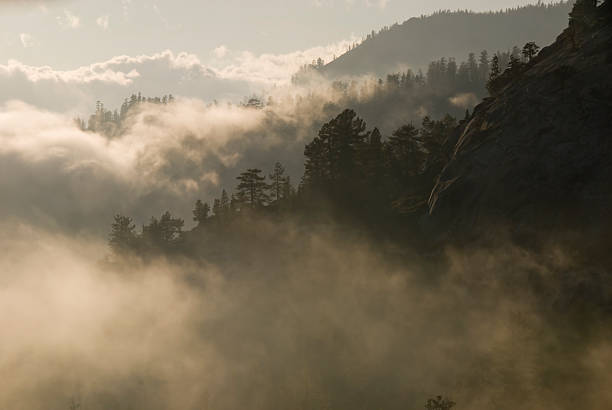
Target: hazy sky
64 55
66 34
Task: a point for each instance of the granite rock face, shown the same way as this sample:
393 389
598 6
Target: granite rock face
539 151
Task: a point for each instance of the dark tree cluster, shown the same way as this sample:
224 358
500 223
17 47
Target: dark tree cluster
360 171
350 171
439 403
584 12
447 86
254 192
163 234
109 122
442 75
517 62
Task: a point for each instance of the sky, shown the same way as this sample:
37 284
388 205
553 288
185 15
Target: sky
234 47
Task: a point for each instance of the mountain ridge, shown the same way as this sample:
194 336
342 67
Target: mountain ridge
394 49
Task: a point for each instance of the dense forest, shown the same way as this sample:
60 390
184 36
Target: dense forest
351 173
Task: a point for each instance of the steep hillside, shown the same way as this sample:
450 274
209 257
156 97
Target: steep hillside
539 152
418 41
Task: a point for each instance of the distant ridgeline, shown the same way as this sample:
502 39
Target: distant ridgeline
446 87
469 75
448 33
110 122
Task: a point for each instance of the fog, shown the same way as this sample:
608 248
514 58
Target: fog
166 158
221 74
332 321
290 317
53 173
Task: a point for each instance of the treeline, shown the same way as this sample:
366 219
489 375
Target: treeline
446 87
319 64
390 101
505 68
109 122
445 74
351 173
420 40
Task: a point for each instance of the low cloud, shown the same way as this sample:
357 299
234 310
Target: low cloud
464 100
77 90
272 69
83 75
329 321
230 75
169 156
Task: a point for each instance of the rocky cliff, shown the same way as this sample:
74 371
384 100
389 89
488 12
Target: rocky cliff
538 153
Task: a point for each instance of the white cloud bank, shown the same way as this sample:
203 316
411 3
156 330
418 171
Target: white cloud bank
226 75
55 175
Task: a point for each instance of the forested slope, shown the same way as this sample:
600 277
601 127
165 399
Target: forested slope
420 40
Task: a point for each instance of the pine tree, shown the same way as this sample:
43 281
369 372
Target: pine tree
331 158
484 66
252 188
200 212
123 236
404 152
494 73
473 68
433 136
163 232
224 204
495 68
277 179
170 228
530 50
372 158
